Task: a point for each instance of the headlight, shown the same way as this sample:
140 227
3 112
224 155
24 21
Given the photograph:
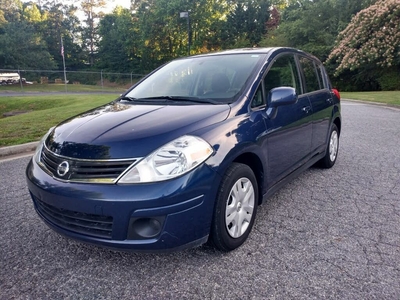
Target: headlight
38 150
172 160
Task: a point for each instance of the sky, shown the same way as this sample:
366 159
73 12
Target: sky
112 4
108 9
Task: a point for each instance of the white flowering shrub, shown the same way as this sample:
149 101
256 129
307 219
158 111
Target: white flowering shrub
371 38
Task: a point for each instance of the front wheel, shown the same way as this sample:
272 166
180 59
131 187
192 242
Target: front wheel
332 149
235 209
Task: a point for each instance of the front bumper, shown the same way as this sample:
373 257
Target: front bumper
160 216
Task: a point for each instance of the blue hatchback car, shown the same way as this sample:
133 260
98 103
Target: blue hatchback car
189 152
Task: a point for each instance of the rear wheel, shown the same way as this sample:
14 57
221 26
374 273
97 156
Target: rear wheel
235 209
332 149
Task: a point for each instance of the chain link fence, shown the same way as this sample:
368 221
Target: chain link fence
20 77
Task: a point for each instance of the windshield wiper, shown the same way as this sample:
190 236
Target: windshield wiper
181 98
127 98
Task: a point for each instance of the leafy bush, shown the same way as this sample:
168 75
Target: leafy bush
390 80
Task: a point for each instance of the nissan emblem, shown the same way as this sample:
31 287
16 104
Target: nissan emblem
63 168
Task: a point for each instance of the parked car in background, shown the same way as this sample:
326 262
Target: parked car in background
187 154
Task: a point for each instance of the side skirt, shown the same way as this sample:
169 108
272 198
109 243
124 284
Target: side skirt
291 176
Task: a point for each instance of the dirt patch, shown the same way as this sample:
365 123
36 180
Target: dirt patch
15 113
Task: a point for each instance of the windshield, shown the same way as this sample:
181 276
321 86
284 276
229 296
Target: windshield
218 78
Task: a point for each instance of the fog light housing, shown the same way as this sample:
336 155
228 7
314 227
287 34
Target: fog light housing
145 228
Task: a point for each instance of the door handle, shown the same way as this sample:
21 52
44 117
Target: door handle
329 100
306 109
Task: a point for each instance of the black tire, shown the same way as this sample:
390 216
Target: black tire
222 235
332 149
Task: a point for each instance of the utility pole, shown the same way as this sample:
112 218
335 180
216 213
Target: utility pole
185 14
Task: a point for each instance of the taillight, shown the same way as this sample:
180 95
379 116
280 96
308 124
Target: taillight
337 94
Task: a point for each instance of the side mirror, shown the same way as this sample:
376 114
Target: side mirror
282 96
278 97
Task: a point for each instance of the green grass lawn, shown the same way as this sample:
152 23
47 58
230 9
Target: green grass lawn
40 113
54 88
392 97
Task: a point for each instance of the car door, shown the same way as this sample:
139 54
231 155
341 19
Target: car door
287 140
316 88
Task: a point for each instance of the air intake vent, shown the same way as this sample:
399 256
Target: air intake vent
88 224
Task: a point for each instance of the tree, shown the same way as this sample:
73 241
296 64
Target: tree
21 45
313 25
214 25
2 18
10 10
31 13
30 54
117 47
59 21
310 26
207 18
163 35
371 39
246 23
274 19
159 35
90 36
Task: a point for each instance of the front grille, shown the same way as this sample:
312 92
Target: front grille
84 170
88 224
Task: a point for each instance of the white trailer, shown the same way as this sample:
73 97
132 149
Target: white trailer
9 78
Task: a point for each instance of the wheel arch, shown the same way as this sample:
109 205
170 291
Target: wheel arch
255 164
338 124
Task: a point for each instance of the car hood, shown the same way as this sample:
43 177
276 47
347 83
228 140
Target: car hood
118 130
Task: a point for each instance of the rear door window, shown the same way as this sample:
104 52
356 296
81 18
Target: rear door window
313 79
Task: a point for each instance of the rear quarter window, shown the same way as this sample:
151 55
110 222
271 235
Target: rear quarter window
323 83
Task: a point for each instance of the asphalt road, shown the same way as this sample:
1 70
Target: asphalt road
330 234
